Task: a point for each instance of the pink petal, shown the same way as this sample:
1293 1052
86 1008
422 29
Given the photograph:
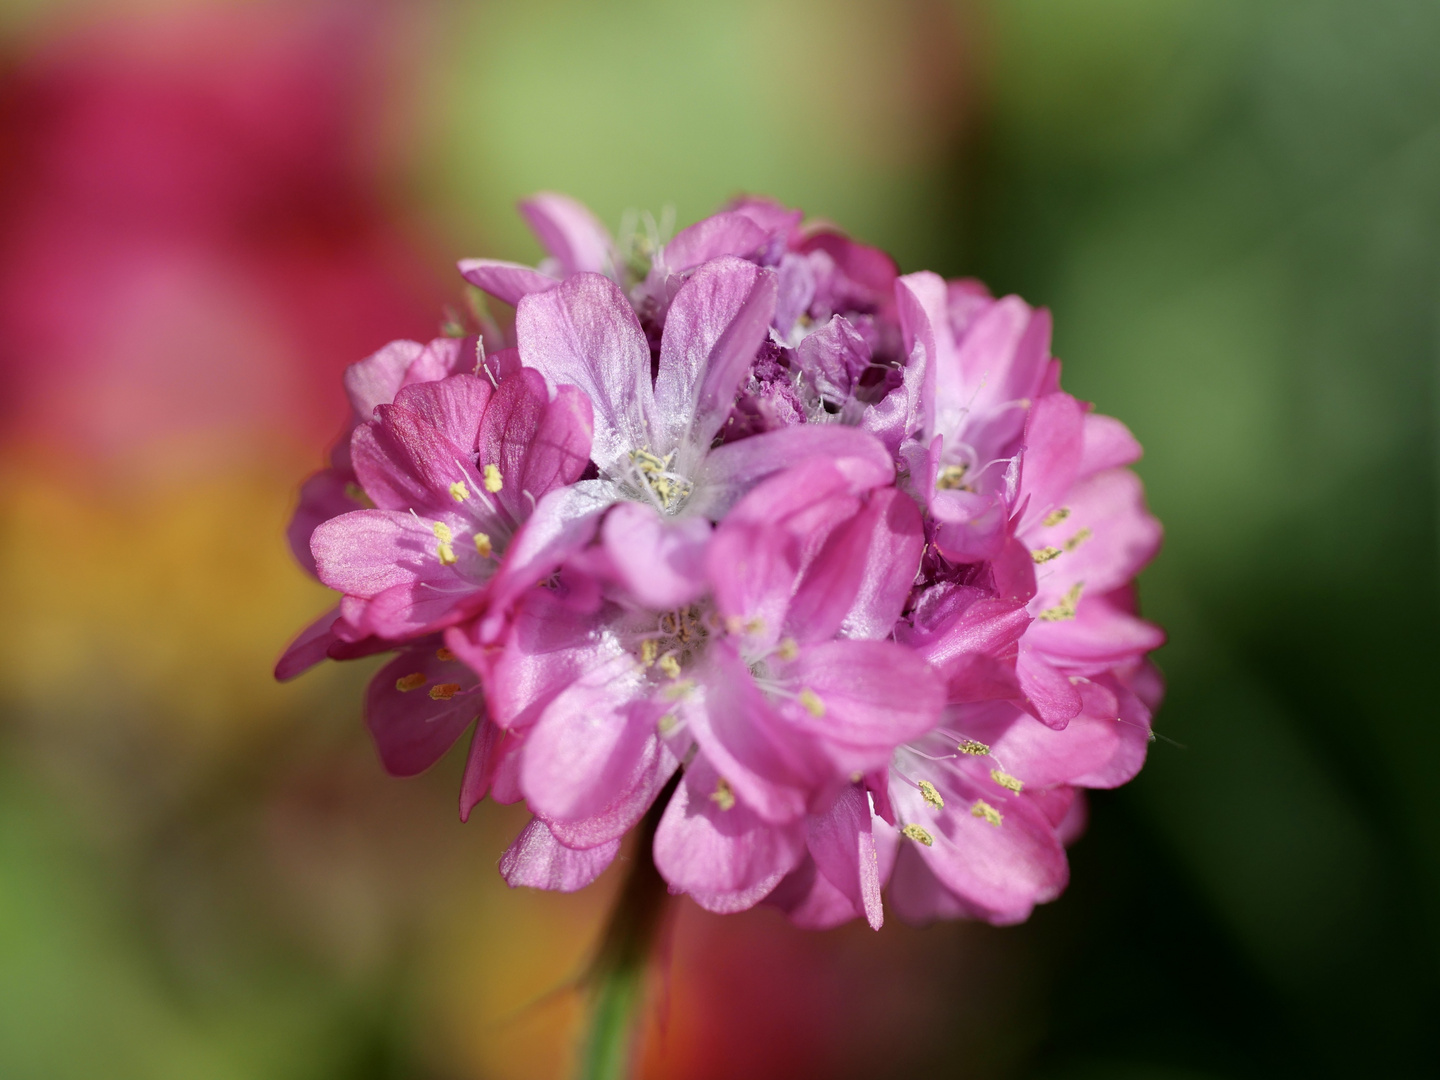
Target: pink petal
325 495
365 552
727 859
310 646
660 561
452 407
658 764
375 380
536 859
590 744
1054 439
1049 692
405 463
570 232
1108 444
411 729
585 333
505 281
536 443
488 747
726 233
843 847
731 470
714 325
1104 540
810 901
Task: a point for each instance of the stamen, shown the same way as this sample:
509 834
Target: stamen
1056 516
1005 780
648 651
670 666
446 554
442 532
493 480
927 789
813 705
413 681
1065 609
1045 554
679 689
723 796
458 491
666 723
919 835
443 653
950 477
483 545
971 746
1078 539
788 649
444 691
983 809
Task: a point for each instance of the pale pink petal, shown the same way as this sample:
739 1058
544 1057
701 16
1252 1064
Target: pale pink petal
570 232
1108 444
375 380
731 470
505 281
536 859
843 847
660 561
726 233
584 332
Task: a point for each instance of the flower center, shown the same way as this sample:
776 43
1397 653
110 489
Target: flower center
656 478
678 640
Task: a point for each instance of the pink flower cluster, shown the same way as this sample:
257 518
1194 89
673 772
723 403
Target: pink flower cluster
746 521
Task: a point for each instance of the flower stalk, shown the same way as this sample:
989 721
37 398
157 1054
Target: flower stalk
615 982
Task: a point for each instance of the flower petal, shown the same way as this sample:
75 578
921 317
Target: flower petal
375 380
715 323
411 728
584 332
660 561
731 470
843 847
506 281
536 444
570 232
310 646
729 232
536 859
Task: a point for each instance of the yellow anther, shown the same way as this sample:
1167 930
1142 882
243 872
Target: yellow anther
666 723
483 545
813 705
648 651
413 681
1005 780
446 554
493 480
1078 539
983 809
443 653
788 650
950 477
444 691
679 689
734 624
458 491
1065 609
670 666
755 626
723 796
1056 516
970 746
442 532
919 835
1045 554
932 796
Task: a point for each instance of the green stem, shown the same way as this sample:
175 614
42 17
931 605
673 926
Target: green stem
616 979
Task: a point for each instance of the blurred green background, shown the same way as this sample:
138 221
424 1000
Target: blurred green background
1233 210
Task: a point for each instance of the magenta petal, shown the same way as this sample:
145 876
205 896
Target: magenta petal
1108 444
843 847
412 730
570 232
834 357
1049 692
590 744
751 569
452 406
656 767
310 646
810 901
661 561
1101 635
727 859
376 379
917 896
536 443
488 746
505 281
727 233
405 463
714 325
325 495
536 859
771 767
1104 539
872 696
585 333
1054 440
729 471
365 552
